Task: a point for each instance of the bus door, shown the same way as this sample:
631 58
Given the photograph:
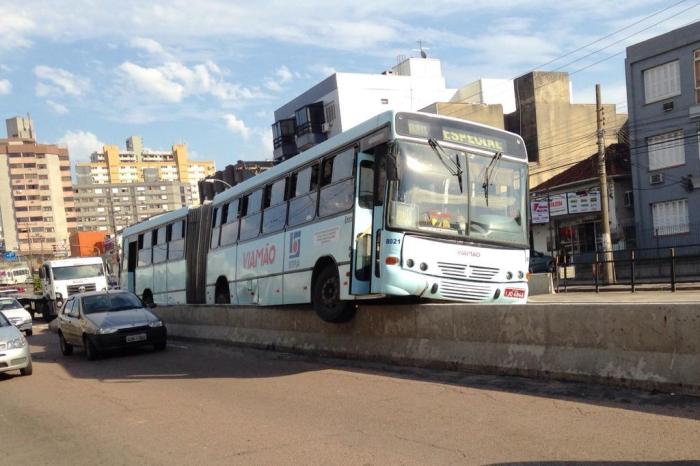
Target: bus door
132 259
362 244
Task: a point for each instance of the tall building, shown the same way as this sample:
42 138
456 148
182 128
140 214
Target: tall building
36 196
111 207
139 165
663 95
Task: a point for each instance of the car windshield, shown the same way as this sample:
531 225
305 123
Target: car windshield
4 322
6 303
110 302
483 200
73 272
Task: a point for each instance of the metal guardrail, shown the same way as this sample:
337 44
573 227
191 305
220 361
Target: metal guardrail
664 267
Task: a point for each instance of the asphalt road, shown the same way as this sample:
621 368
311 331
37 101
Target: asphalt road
203 404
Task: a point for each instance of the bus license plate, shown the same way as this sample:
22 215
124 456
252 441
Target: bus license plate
137 337
514 293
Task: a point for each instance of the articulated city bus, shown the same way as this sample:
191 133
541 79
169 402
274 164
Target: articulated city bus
405 204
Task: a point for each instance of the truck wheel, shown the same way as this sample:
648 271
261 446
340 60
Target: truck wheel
66 348
326 297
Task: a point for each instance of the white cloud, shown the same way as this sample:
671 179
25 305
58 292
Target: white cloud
236 126
80 144
15 27
5 86
152 80
283 74
149 45
57 81
173 81
56 107
266 140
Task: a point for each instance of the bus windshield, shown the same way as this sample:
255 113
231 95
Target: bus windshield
429 198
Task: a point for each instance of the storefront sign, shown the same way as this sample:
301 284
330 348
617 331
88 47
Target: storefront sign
583 201
557 205
539 211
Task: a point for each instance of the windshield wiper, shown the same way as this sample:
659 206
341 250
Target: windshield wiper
455 168
488 172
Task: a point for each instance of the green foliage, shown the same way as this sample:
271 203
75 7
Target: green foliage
37 283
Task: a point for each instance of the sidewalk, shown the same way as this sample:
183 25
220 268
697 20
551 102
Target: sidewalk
622 295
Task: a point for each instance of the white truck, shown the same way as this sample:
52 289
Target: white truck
63 278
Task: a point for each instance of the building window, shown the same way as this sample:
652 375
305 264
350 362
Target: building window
697 75
666 150
661 82
670 217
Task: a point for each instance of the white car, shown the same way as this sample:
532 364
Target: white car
16 314
14 349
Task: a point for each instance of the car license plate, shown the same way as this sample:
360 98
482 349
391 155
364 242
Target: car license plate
514 293
137 337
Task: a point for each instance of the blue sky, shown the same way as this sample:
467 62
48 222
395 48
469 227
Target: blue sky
210 73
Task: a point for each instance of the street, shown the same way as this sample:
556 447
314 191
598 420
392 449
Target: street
202 404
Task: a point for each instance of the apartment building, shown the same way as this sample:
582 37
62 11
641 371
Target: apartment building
138 165
36 194
111 207
231 175
663 95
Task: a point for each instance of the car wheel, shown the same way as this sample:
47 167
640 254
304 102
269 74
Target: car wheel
160 346
29 332
90 350
66 348
326 298
27 370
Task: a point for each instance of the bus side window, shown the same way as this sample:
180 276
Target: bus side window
338 190
250 216
302 193
176 241
229 224
160 246
145 243
275 207
215 224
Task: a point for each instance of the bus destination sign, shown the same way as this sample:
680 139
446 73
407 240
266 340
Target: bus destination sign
468 134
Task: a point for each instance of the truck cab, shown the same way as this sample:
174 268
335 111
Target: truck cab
63 278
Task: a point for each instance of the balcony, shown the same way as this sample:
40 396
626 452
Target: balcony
283 139
309 126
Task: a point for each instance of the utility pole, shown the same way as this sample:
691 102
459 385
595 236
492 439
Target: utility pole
609 270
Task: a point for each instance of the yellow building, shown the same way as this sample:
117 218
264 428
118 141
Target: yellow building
139 165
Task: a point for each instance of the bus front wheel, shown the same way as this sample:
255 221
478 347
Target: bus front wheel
326 297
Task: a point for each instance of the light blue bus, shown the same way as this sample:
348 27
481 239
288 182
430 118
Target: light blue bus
405 204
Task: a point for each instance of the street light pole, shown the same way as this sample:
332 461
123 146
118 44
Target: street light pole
214 180
608 269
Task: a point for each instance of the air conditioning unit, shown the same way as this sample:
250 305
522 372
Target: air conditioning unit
325 127
656 178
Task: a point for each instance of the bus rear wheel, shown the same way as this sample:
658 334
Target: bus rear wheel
326 298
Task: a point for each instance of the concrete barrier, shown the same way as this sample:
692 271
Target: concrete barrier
639 345
540 283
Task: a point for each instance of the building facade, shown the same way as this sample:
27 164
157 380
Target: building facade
663 94
111 207
344 100
139 165
36 195
557 132
231 176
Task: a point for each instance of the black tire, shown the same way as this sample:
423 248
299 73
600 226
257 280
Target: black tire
27 370
29 332
325 297
91 352
66 348
160 346
46 311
